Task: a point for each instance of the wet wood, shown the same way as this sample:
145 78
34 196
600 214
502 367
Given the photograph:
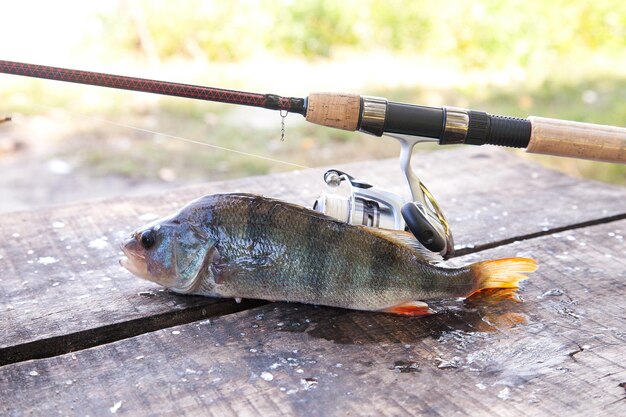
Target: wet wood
558 353
62 288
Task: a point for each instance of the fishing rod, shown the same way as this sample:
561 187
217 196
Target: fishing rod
408 123
378 116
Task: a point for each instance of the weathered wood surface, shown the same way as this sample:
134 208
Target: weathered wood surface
561 352
61 285
62 290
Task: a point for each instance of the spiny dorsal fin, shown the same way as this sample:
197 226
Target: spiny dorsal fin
400 237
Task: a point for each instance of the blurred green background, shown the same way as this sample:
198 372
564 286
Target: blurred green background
561 59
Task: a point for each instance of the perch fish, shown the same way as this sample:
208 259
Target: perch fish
248 246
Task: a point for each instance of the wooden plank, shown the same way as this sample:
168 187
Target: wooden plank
559 353
59 276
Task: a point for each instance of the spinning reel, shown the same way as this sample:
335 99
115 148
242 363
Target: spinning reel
374 207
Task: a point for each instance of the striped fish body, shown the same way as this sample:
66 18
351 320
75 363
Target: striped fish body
278 251
247 246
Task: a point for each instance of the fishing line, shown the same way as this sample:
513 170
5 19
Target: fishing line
167 135
140 129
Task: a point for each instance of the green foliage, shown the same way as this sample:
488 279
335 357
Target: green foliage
479 34
400 25
491 33
214 30
313 28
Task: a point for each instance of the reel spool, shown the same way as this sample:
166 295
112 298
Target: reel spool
366 205
374 207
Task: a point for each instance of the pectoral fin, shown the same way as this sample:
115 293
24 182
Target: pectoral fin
412 308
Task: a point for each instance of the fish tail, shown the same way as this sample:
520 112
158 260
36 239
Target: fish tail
501 273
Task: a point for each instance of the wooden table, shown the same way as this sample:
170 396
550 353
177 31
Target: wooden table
81 336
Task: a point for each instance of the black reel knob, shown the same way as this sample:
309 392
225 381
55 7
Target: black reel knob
421 228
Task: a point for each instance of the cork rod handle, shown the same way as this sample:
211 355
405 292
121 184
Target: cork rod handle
337 110
577 140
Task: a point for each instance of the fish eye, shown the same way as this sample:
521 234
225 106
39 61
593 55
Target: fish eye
148 238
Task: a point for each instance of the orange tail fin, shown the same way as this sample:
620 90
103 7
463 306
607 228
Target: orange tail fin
502 273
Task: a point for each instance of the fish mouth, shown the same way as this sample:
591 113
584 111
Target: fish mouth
138 269
124 262
124 259
134 263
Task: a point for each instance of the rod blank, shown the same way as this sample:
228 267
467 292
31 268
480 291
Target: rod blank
268 101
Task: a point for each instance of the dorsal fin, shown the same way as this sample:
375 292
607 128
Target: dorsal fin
400 237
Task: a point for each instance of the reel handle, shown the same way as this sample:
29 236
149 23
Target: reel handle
422 229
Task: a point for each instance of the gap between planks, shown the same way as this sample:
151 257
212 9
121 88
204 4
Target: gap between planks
72 342
479 248
60 345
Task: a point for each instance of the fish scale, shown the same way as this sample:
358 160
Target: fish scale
256 247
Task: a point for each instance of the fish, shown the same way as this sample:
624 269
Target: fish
248 246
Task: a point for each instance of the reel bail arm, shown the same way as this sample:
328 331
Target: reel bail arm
423 216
